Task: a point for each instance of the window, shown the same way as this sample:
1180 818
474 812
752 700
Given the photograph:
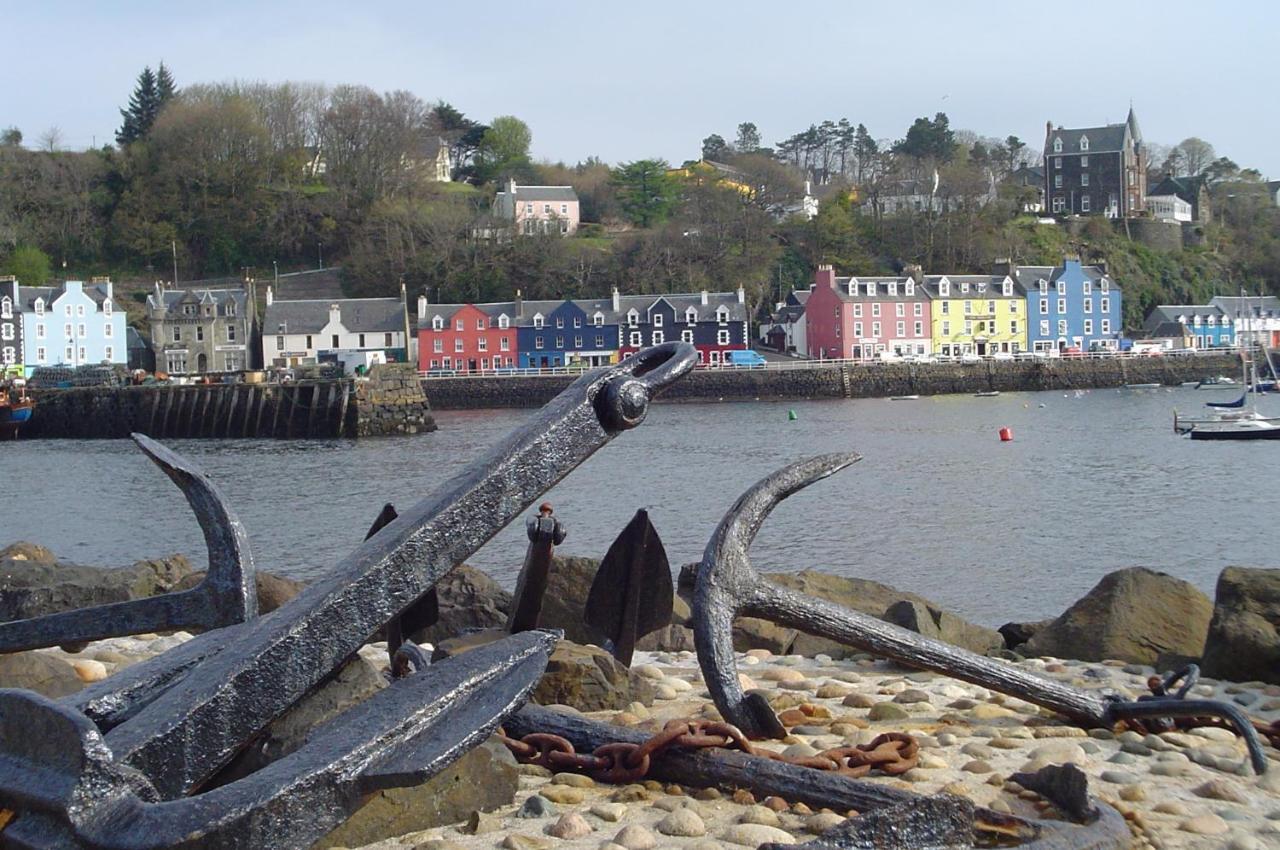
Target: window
1084 202
900 309
177 333
40 330
964 287
537 341
1106 285
560 342
528 208
658 338
459 325
538 321
875 329
109 353
231 335
857 311
1044 327
1057 181
83 356
968 308
722 315
875 308
635 339
457 346
177 362
560 322
598 320
82 330
1057 162
1106 305
911 287
1106 326
42 354
1059 203
857 329
577 342
1088 326
481 324
504 344
504 321
6 308
230 310
946 307
917 309
1044 305
564 209
722 338
1057 145
39 306
6 332
482 344
685 336
633 318
946 329
1013 306
577 321
280 344
691 316
437 346
1013 327
893 287
1062 305
79 309
66 311
437 323
1062 327
657 320
1084 143
546 209
968 327
901 329
600 339
919 328
991 307
871 288
1088 305
944 288
71 353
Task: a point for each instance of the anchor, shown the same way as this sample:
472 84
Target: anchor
727 586
125 763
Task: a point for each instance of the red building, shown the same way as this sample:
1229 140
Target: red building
858 318
467 338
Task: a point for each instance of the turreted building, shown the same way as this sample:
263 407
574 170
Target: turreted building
1096 170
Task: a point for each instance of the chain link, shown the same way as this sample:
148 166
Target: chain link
892 753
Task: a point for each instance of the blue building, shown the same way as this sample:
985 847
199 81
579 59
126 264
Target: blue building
1071 306
76 324
1201 326
557 333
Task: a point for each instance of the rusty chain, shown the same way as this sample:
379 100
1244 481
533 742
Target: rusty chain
892 753
1159 687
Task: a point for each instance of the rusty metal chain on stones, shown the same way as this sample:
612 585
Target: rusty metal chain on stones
1160 686
892 753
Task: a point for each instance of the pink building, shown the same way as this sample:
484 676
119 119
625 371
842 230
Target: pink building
538 209
860 317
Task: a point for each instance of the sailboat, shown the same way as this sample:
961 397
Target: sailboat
1239 420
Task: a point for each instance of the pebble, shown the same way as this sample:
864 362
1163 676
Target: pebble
977 766
760 815
978 751
649 671
1133 793
858 701
1207 824
986 711
1169 768
831 690
611 812
537 806
666 692
946 739
821 822
1172 807
1244 842
887 711
911 696
1118 777
754 834
563 794
482 823
569 827
516 841
781 674
573 780
683 823
1123 758
631 794
89 670
633 836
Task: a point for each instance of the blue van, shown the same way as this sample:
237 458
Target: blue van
748 359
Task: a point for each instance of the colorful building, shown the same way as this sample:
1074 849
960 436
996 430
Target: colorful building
467 337
554 333
1203 326
862 317
715 323
1070 306
76 324
983 315
11 353
315 330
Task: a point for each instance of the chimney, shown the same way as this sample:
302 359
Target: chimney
617 300
915 272
1102 266
742 295
1048 130
511 190
335 314
825 275
160 295
1004 267
704 298
269 299
422 307
520 305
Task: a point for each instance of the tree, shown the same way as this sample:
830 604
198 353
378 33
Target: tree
1222 169
928 139
646 193
29 265
51 140
1014 148
149 96
504 149
714 147
1195 154
865 151
11 137
748 138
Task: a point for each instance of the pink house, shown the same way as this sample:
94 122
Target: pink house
538 209
860 317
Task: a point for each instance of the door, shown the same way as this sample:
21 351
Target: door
471 365
202 363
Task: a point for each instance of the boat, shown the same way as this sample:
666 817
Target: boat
986 394
1216 381
1142 386
1226 404
1239 420
15 408
903 397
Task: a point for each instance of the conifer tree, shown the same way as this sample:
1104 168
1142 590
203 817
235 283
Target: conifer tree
150 95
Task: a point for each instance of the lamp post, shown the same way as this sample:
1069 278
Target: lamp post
320 253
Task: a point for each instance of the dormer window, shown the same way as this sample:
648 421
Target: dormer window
657 320
691 316
598 320
853 289
1084 143
1196 320
1182 320
1044 287
504 321
964 287
6 308
39 306
437 323
1212 321
722 315
944 288
1106 285
1007 288
893 287
982 287
106 307
1057 145
231 308
633 318
911 287
871 288
538 321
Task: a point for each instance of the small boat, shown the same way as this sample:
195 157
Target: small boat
1217 381
1245 428
15 408
986 394
1142 386
903 397
1226 404
1237 420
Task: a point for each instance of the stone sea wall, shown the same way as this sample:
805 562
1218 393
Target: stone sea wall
872 381
391 401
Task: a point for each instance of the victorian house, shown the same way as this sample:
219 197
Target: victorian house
860 317
1096 170
197 331
76 324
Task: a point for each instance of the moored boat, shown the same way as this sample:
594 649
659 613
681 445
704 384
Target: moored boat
15 408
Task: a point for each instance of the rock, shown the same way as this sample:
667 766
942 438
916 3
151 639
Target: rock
1016 634
516 841
911 696
469 600
635 837
481 823
537 806
569 827
575 780
682 823
589 679
483 779
35 585
611 812
1222 789
41 672
24 551
887 711
760 814
273 590
1207 824
755 834
935 623
1134 614
820 823
563 794
1244 633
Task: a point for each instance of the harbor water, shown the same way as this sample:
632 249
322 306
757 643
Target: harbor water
992 530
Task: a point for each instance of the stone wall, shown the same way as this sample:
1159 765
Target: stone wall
872 381
391 401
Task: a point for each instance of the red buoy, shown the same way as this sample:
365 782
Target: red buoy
1006 434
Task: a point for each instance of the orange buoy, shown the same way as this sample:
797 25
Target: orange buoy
1006 434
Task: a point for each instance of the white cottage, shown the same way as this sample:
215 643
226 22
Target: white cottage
311 331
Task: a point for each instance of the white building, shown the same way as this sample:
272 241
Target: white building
1168 208
311 331
75 325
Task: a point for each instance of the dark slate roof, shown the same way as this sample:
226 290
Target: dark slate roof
1237 305
27 295
307 285
1164 314
359 315
993 283
640 303
1186 188
1106 139
134 339
174 298
1165 329
882 292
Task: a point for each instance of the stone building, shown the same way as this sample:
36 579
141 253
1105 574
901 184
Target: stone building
196 331
1096 170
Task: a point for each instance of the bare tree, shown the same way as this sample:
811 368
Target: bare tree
51 140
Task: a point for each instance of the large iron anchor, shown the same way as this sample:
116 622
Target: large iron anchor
728 586
160 730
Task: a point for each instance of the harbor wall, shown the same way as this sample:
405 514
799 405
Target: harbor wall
869 381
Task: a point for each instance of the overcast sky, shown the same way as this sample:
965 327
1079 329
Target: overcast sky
623 81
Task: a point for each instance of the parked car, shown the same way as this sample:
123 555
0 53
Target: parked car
744 359
970 357
1002 355
1073 352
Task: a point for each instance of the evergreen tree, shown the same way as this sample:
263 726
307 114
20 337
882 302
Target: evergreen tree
150 95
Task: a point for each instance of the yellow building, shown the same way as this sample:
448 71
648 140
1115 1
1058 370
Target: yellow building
983 315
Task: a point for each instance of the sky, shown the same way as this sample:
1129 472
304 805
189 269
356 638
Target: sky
625 81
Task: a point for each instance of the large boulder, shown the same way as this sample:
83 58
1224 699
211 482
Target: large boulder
940 625
568 583
41 672
469 600
1135 615
32 585
273 590
589 679
484 779
1016 634
1244 635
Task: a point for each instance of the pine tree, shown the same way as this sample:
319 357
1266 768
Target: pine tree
150 95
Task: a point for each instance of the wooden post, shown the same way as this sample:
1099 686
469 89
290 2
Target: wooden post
275 412
234 392
293 409
347 390
168 404
315 408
